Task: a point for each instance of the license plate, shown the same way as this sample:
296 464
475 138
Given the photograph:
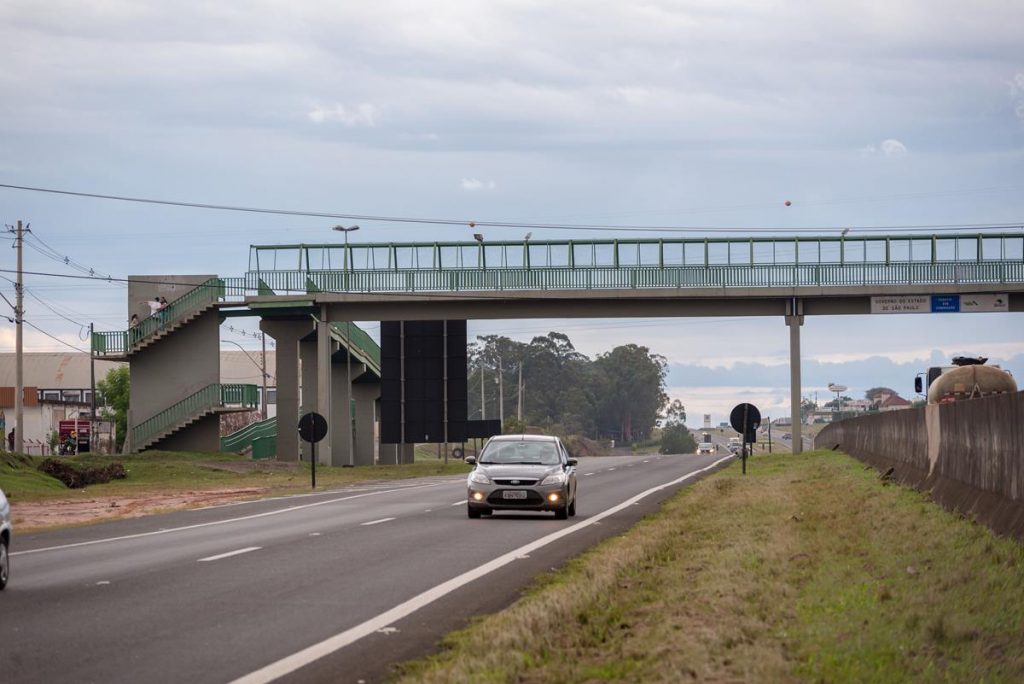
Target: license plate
513 494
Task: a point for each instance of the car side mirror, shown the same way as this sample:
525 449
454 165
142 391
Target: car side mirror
572 461
471 460
918 385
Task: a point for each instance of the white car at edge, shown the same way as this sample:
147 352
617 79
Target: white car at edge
5 540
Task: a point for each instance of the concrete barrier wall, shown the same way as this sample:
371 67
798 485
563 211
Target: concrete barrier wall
968 454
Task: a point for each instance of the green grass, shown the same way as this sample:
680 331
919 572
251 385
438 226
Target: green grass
806 569
167 472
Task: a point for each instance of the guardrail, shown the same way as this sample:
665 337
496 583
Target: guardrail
205 400
646 277
246 437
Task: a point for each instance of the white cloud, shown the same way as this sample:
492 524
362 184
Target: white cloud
1017 95
890 147
363 114
474 184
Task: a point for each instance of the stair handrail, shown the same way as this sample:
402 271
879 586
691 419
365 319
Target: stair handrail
196 404
120 342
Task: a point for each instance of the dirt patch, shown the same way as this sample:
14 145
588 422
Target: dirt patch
34 516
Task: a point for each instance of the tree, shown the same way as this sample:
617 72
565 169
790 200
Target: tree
875 392
677 439
675 413
632 390
115 392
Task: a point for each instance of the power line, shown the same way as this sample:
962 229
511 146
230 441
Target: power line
55 339
499 224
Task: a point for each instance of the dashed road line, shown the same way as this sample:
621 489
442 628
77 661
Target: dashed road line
376 522
229 554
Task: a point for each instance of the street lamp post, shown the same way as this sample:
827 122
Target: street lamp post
348 348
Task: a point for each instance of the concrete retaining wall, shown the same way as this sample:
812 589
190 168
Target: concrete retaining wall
968 454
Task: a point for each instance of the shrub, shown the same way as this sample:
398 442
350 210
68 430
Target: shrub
75 478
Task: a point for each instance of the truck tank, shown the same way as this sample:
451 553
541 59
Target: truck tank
969 382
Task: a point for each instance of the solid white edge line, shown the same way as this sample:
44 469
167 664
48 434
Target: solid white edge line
229 554
300 659
377 522
222 522
459 503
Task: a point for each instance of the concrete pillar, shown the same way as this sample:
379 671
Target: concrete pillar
794 319
366 395
405 453
286 334
307 361
341 413
388 454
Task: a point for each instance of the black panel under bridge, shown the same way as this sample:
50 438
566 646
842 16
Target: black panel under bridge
423 395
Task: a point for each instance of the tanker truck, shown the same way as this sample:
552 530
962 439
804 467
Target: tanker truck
967 378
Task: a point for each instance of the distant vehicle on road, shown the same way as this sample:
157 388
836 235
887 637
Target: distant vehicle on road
787 435
735 444
522 473
5 540
706 448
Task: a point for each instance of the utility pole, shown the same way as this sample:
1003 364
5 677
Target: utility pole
483 401
501 392
92 395
519 395
19 389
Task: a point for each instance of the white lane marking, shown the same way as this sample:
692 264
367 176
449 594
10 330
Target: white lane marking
611 469
376 522
647 461
459 503
221 522
587 474
102 583
314 534
229 554
291 663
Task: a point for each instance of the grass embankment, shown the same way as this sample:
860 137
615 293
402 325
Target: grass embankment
167 472
808 568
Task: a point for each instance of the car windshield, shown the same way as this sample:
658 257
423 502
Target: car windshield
523 452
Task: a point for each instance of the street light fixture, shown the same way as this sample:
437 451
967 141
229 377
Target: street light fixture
346 230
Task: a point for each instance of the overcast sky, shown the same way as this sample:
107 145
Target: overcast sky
702 114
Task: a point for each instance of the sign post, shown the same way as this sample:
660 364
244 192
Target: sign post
745 419
312 428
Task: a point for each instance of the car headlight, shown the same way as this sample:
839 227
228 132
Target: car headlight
479 478
554 478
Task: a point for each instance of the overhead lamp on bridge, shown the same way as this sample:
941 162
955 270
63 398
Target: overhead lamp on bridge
478 237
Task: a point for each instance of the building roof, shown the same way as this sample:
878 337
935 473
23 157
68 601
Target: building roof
894 400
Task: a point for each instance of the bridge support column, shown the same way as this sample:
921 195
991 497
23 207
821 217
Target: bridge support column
308 364
286 334
341 418
324 395
366 395
795 319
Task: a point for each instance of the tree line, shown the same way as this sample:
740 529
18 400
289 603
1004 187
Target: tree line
547 383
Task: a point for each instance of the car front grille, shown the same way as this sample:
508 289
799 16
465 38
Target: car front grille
532 499
515 482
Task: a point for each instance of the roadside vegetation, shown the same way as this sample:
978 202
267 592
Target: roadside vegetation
163 472
809 568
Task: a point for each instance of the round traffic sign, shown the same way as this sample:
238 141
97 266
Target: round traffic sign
748 414
312 427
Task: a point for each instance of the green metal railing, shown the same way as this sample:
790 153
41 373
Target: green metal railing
209 398
245 438
356 339
827 261
121 342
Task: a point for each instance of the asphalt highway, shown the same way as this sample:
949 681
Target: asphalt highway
332 586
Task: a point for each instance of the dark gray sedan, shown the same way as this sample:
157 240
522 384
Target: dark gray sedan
522 473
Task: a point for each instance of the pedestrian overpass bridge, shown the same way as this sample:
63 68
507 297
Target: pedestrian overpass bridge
294 287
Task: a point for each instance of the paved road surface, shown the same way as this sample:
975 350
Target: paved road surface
333 586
